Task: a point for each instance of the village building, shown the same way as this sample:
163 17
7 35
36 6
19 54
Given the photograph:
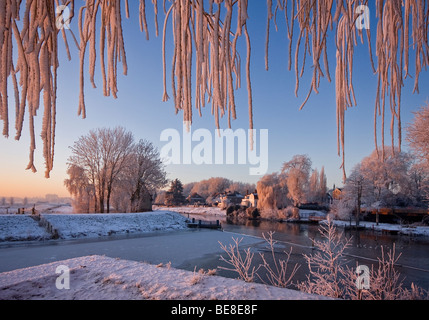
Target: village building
196 200
230 198
250 200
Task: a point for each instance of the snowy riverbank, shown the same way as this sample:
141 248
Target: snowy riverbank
72 226
207 211
104 278
408 230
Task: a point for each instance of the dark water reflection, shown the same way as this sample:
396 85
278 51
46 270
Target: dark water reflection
366 246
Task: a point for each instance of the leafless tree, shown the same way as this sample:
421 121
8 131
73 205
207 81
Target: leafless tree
106 165
144 174
102 154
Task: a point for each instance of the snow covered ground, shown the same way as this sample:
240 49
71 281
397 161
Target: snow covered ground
21 227
95 225
101 277
104 278
71 226
401 229
212 211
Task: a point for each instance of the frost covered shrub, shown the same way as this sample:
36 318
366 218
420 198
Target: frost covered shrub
341 210
329 276
268 213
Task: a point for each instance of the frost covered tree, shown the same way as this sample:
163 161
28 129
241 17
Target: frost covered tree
418 135
388 178
419 183
317 186
314 186
106 167
356 188
323 185
297 172
143 174
211 186
79 187
272 194
375 183
102 154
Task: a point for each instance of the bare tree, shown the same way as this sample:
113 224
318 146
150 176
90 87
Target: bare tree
354 189
144 174
117 146
314 186
323 184
102 154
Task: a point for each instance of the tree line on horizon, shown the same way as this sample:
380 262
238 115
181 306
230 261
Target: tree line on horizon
108 167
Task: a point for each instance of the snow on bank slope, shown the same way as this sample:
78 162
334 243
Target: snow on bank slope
212 211
400 229
21 227
104 278
96 225
69 226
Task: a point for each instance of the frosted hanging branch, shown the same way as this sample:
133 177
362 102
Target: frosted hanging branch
202 31
36 64
392 51
205 57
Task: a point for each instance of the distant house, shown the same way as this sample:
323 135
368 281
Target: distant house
230 198
334 194
196 199
250 200
337 193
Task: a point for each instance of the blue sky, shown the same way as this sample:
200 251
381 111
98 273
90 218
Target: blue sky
139 108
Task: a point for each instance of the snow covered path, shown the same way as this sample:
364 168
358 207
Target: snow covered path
103 278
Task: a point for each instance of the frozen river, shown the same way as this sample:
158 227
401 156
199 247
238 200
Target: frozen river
199 248
178 247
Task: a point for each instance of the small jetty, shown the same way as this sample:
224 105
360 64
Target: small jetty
204 224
